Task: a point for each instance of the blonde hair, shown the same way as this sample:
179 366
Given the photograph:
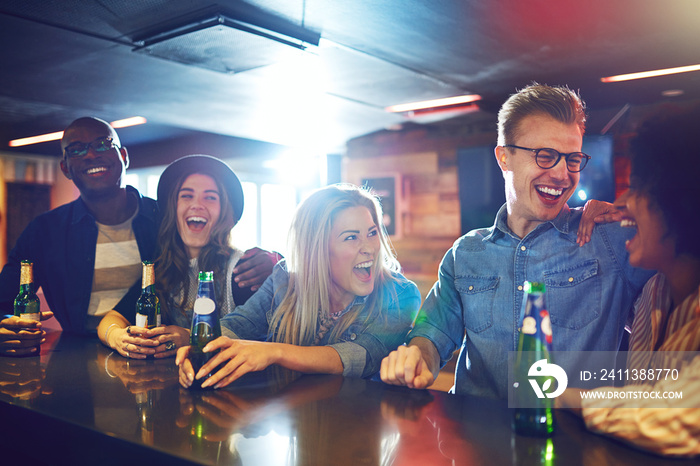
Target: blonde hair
308 295
559 102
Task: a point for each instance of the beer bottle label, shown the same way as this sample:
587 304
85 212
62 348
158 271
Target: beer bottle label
204 306
141 320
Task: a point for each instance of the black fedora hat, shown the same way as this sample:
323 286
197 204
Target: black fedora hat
206 165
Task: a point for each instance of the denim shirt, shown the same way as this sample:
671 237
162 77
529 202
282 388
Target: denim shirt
477 300
61 243
362 346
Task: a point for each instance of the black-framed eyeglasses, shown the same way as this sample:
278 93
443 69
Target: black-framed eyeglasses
80 149
548 158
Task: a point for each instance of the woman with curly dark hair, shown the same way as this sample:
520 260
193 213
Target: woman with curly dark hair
662 206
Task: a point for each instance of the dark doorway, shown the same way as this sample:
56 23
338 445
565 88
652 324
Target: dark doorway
24 202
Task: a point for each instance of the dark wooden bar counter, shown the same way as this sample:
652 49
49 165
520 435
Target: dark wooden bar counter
79 403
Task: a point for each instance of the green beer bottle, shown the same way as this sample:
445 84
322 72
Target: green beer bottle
205 324
147 306
533 414
27 302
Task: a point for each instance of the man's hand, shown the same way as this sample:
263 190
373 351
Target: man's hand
570 399
254 267
595 212
20 337
406 366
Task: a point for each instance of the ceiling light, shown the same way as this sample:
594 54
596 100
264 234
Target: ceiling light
133 121
650 74
36 139
673 92
448 101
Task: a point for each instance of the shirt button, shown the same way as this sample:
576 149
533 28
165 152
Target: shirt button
471 287
571 279
522 248
353 336
520 288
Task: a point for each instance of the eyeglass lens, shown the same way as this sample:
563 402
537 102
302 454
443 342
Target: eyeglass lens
547 158
79 149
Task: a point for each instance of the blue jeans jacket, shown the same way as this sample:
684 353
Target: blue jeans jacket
477 301
62 243
362 346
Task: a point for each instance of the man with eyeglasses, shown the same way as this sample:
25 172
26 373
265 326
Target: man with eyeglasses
476 302
87 254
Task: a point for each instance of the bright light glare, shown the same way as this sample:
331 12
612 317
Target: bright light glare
582 194
650 74
295 110
278 204
36 139
460 99
271 448
297 167
132 121
245 233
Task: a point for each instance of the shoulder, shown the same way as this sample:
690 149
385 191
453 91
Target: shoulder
147 207
59 215
403 287
279 275
475 240
613 232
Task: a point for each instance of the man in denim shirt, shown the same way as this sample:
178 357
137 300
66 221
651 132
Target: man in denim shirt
476 302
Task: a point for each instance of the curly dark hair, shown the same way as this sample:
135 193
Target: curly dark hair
665 169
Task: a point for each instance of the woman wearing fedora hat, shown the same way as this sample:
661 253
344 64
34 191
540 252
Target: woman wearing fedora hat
338 305
200 199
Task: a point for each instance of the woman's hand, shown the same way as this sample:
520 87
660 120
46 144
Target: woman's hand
130 342
595 212
237 357
169 338
185 371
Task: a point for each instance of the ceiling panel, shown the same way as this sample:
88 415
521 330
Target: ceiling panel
69 58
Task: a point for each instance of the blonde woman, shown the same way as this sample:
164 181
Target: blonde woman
338 305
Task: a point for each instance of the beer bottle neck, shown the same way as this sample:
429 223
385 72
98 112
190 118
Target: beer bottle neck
206 289
26 276
25 288
148 277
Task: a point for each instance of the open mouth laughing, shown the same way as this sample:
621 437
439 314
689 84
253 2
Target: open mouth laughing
363 270
549 193
629 223
95 170
196 223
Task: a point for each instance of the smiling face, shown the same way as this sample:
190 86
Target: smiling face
354 249
652 247
96 174
535 195
198 210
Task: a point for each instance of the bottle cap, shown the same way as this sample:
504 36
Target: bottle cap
533 287
206 276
